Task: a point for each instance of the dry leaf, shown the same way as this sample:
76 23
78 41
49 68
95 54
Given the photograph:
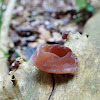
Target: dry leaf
44 34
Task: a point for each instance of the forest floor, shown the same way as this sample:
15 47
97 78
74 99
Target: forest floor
37 22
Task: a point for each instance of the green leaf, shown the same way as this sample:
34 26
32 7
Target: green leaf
81 4
78 19
4 52
6 56
17 54
90 8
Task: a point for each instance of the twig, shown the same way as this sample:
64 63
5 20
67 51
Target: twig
1 13
4 36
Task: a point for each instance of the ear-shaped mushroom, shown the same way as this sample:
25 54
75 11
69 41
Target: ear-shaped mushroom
54 59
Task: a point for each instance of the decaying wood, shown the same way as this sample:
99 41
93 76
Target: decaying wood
84 85
92 29
29 83
4 36
26 83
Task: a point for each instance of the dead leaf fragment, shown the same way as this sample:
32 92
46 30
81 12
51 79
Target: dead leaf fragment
44 34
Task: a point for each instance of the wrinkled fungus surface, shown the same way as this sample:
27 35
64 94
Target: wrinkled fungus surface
54 59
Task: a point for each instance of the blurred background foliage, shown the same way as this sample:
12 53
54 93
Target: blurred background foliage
84 4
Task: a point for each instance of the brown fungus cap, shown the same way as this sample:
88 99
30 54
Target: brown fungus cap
55 58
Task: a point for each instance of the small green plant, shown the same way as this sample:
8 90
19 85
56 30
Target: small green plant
84 4
78 19
6 55
18 55
1 14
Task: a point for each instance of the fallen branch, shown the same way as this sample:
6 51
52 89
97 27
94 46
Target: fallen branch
29 83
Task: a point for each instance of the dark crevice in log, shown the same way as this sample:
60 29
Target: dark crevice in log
14 81
53 79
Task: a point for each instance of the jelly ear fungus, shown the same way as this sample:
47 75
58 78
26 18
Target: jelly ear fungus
55 59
